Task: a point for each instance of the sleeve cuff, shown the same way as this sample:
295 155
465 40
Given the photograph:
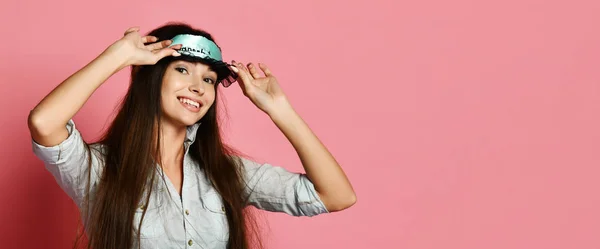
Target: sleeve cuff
54 154
310 204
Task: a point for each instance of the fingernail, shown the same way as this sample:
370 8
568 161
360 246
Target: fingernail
176 53
234 69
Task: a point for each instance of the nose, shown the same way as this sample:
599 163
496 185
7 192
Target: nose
197 87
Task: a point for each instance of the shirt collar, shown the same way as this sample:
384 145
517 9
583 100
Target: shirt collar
190 135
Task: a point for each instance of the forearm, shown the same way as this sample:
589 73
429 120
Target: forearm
60 105
321 167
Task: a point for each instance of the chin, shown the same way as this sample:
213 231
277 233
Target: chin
182 120
189 121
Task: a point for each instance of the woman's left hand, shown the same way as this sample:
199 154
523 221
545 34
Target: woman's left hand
263 90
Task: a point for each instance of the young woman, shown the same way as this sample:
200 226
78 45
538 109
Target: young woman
161 176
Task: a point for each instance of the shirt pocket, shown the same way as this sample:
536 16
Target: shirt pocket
153 225
216 215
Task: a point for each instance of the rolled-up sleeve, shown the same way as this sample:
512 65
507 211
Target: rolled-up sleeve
276 189
68 163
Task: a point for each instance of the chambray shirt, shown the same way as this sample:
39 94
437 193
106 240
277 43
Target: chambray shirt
196 219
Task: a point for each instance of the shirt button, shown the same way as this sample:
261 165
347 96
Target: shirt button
190 242
223 208
187 212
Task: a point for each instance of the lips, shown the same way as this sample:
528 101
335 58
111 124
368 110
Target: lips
190 104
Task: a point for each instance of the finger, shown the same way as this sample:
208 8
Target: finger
240 81
243 72
132 29
158 45
255 74
265 69
164 53
148 39
241 66
177 47
243 75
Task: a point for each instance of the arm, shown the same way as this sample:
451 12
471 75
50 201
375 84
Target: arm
47 121
56 140
329 179
325 173
273 188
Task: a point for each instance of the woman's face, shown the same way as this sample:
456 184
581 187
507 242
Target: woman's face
187 92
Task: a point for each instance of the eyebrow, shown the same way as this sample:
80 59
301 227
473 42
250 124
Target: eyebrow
212 73
183 62
190 64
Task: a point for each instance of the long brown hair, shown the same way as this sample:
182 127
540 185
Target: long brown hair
132 153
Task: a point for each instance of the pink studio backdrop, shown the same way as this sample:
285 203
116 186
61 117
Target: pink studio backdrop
462 124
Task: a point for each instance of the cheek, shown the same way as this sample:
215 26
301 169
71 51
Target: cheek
171 84
209 96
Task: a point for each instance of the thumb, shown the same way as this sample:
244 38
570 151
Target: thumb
132 29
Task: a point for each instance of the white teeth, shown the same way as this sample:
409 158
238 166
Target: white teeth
189 102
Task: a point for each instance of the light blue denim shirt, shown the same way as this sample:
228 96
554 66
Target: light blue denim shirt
196 219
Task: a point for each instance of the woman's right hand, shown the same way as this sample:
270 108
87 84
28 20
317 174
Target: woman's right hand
132 45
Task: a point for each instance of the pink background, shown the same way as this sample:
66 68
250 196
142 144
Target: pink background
462 124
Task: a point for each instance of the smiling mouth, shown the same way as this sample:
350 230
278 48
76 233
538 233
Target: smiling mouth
189 103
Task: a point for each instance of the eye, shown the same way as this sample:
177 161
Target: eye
181 70
209 80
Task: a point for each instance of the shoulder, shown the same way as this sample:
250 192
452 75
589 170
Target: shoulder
244 161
